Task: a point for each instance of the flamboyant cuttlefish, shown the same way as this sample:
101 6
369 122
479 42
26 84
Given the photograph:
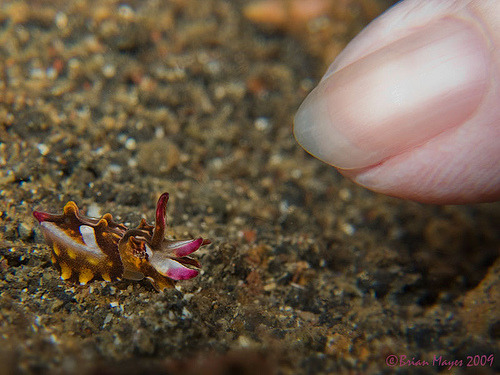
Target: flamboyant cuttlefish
85 248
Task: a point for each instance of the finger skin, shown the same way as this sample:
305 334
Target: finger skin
428 127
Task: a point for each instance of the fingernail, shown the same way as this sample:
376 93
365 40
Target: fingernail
397 97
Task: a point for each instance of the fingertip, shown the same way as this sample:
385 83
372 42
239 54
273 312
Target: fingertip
396 98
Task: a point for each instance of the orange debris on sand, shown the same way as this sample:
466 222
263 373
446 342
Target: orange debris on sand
281 13
323 26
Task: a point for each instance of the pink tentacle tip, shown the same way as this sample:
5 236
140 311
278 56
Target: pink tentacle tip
161 209
187 247
40 216
182 273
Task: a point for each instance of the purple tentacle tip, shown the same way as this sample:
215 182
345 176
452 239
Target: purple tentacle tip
161 210
183 248
182 273
40 216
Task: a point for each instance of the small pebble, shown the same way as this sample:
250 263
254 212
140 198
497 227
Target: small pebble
130 144
186 314
261 123
43 149
25 231
108 318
